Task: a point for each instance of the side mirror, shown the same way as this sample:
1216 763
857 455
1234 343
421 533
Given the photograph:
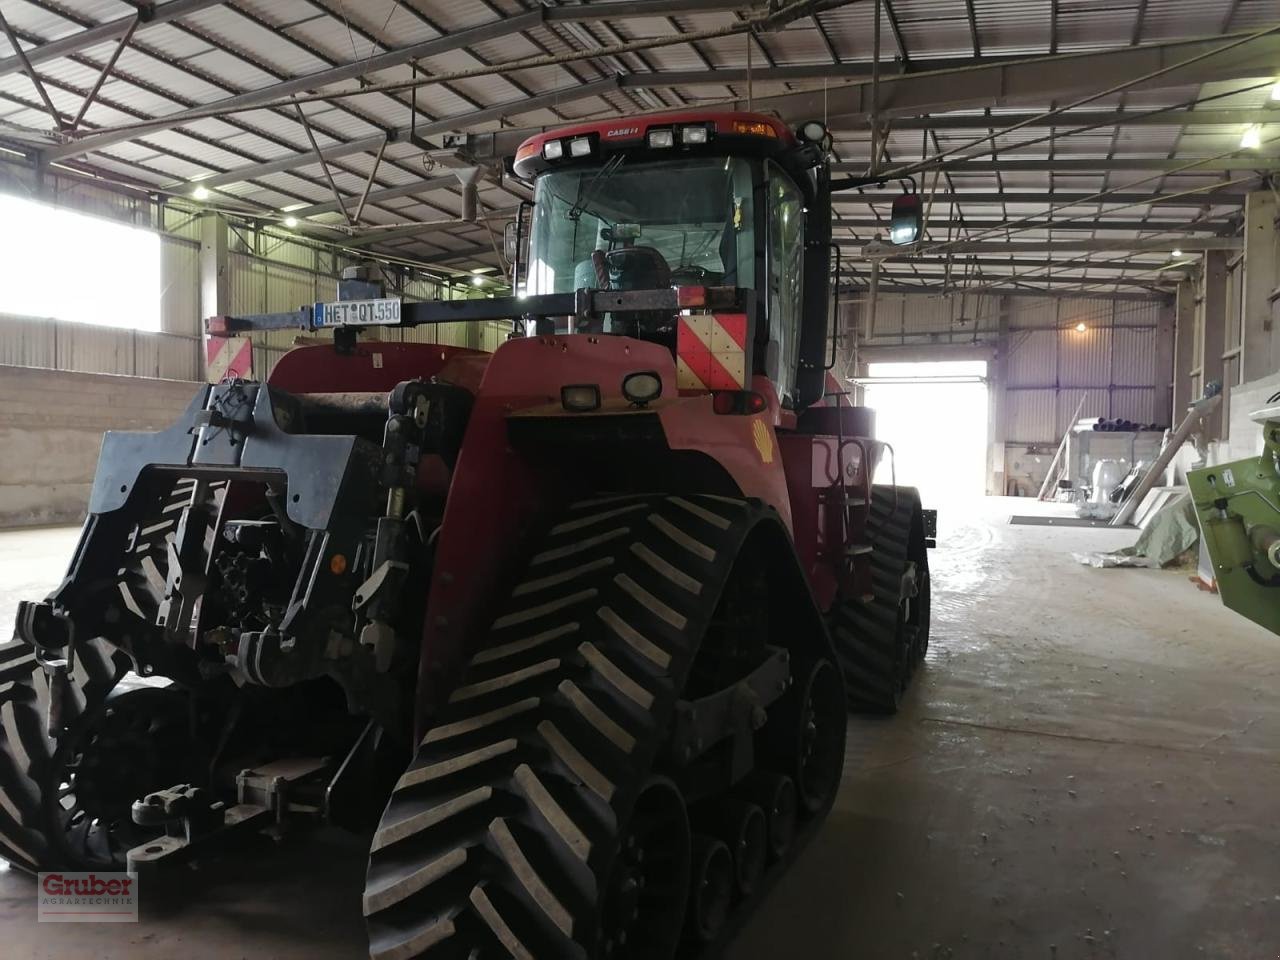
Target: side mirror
510 240
907 222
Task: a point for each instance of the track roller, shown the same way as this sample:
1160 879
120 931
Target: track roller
775 793
744 828
711 889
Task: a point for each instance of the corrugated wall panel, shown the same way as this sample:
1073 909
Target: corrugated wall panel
27 342
1137 404
244 284
493 335
94 349
289 288
1033 358
1137 313
1030 416
925 314
177 358
1134 357
1034 312
180 286
1084 358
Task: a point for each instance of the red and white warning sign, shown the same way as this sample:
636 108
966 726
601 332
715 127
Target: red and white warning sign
711 352
228 358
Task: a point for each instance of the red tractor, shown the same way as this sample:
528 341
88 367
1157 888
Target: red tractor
571 625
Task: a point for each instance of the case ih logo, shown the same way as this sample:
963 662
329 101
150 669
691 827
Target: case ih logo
88 898
623 132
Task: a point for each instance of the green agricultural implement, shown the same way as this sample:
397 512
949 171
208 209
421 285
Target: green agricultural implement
1239 509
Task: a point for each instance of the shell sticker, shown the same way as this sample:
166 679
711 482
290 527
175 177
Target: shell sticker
764 442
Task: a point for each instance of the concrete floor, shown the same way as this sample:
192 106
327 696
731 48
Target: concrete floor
1087 768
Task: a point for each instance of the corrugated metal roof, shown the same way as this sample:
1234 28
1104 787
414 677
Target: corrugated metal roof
247 45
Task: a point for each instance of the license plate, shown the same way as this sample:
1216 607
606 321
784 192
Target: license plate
358 313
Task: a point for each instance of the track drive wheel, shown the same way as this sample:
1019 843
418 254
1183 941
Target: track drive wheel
880 640
539 817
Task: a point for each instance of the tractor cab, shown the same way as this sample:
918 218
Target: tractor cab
696 201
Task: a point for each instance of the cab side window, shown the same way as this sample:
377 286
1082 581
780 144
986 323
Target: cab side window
785 266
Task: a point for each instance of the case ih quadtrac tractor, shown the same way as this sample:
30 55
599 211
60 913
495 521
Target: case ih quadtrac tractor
574 623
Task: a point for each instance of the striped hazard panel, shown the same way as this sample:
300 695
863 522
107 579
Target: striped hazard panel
711 352
227 358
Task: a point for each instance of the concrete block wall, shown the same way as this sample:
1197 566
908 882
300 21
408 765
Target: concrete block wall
51 426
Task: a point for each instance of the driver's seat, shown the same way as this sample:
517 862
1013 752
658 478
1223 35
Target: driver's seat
637 268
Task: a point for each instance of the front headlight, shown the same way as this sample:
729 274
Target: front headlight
642 388
661 139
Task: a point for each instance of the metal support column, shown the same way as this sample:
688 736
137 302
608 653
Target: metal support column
215 299
1260 342
1213 332
1184 345
1166 374
997 403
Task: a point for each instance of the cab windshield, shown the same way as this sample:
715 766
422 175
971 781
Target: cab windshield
640 225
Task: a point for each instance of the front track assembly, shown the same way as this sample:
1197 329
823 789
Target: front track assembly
625 766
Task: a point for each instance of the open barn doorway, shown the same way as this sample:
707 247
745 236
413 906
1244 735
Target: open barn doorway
935 415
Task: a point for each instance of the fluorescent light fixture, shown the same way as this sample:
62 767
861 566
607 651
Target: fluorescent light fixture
1275 91
477 281
200 193
290 222
1252 138
1177 253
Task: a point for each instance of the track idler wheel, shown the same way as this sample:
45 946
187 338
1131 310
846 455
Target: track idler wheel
647 888
711 892
808 733
776 795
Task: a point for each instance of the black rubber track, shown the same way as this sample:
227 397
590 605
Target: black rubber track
27 817
27 820
877 644
499 839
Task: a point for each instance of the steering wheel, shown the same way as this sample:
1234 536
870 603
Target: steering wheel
691 273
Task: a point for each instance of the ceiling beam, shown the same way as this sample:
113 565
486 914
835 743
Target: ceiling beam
956 85
1098 165
413 229
378 196
1082 245
1091 118
111 30
290 162
1045 271
1056 197
1034 80
310 81
393 58
1178 227
400 134
924 290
